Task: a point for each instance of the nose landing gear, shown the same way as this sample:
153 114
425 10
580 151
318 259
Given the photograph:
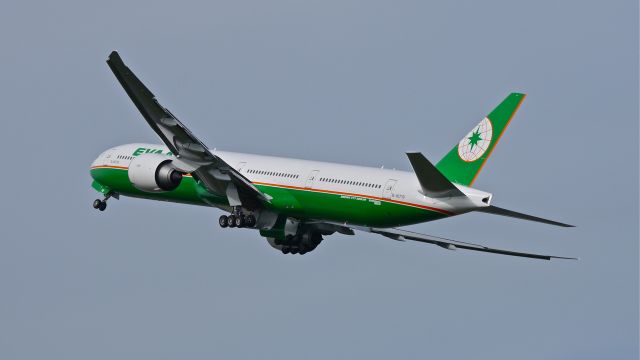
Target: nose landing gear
101 204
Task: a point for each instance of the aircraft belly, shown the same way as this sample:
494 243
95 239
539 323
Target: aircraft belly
354 209
297 202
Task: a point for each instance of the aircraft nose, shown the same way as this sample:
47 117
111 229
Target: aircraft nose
93 168
97 163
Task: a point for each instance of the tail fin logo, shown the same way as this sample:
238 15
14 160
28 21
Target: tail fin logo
477 141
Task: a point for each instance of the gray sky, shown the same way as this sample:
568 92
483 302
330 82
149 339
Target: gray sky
348 81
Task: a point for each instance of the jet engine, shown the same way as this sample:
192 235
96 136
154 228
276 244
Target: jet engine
154 173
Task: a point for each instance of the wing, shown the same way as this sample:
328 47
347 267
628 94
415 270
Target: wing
192 155
402 235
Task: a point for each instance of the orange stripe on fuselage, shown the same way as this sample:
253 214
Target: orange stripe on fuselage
110 167
445 212
119 168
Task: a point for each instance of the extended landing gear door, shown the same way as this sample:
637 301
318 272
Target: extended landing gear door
311 179
387 191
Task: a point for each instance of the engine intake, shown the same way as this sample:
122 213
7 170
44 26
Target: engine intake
154 173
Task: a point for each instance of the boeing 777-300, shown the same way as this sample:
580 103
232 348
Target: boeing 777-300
295 203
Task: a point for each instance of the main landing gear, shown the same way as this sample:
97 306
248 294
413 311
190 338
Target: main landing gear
237 219
101 205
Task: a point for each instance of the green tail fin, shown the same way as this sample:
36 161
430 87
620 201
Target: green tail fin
463 163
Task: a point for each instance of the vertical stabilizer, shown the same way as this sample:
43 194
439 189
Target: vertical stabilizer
463 163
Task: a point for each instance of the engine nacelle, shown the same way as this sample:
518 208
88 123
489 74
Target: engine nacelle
153 173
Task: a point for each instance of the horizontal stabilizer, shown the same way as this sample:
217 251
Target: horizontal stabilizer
433 183
504 212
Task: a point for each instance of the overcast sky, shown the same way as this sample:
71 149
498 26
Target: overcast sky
358 82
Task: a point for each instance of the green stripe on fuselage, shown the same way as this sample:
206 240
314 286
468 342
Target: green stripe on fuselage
118 181
300 203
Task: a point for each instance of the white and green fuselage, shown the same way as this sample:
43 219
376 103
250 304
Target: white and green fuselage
292 202
306 190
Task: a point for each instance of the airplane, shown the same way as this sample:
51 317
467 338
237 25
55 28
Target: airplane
295 203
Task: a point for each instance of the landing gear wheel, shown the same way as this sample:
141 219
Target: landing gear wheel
250 221
239 221
97 203
285 250
223 221
232 220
